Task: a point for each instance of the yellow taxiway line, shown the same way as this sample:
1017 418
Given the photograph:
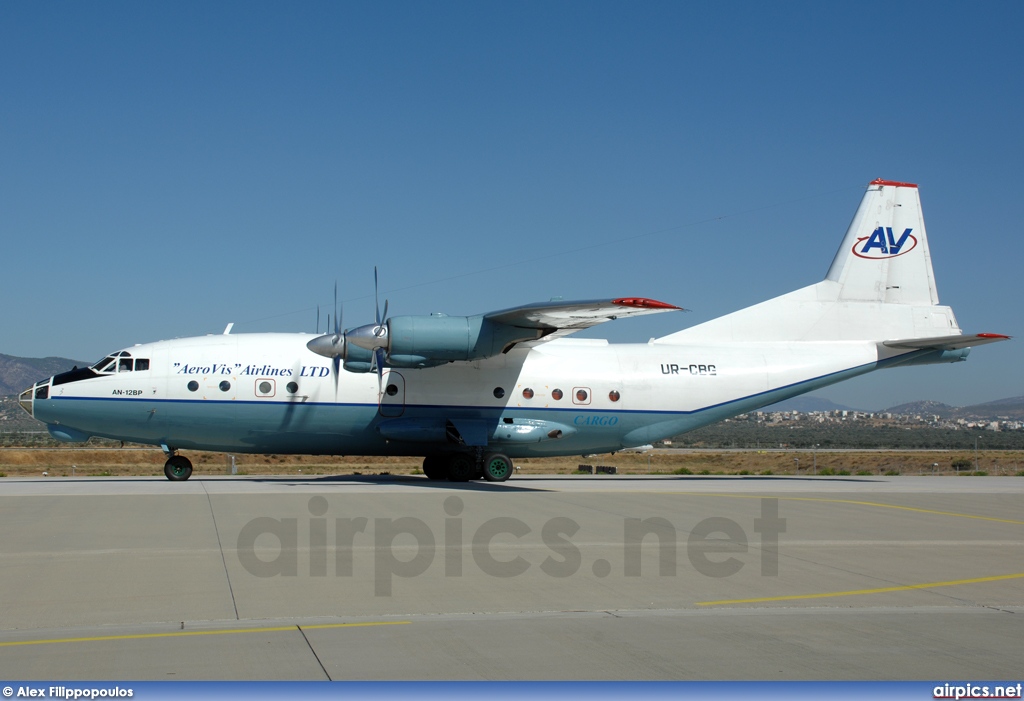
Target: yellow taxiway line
855 502
187 633
861 592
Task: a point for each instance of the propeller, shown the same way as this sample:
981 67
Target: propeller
373 337
380 331
332 344
337 340
337 344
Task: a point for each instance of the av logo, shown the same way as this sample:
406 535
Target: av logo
883 244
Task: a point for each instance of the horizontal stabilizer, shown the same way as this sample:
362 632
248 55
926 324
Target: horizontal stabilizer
948 343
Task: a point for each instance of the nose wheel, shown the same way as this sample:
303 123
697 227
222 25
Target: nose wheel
178 468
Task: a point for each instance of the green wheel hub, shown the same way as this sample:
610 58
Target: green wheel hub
497 467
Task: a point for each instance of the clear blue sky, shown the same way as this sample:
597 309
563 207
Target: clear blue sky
167 168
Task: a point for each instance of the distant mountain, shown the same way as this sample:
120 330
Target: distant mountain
18 374
808 404
1011 408
930 408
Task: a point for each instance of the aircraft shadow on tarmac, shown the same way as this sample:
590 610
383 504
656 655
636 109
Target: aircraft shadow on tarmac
478 486
483 486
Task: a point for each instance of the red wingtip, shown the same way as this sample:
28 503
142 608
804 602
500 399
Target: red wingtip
893 183
993 335
643 303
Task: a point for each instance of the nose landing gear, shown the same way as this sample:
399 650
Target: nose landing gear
178 468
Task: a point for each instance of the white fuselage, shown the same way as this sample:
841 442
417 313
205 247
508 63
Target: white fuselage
268 393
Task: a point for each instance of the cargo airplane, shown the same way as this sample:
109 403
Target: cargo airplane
470 393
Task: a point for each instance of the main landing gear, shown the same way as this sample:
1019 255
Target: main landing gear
462 467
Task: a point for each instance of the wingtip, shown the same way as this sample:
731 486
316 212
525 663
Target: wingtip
645 303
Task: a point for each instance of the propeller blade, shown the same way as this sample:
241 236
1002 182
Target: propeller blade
337 320
378 357
381 328
376 298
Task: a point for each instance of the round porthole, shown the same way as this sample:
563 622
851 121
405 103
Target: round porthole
193 386
391 390
528 393
556 394
266 387
581 395
499 392
614 395
292 387
225 386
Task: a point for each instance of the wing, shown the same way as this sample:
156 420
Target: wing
426 341
948 343
550 320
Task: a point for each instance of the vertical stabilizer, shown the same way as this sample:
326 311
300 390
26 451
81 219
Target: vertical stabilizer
884 256
880 285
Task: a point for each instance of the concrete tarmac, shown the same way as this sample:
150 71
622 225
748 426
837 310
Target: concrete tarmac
539 578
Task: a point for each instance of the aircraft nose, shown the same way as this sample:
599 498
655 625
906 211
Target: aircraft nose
25 399
40 390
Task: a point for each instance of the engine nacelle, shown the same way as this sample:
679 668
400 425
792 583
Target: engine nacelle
445 338
422 341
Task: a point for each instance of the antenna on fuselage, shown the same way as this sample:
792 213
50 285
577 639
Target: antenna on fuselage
227 329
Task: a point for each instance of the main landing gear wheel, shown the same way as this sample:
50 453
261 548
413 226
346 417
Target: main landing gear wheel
461 468
178 468
497 467
434 467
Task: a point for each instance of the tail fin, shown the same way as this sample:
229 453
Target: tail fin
884 256
880 285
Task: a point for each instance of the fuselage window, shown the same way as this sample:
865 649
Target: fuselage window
556 394
528 393
391 390
292 387
225 386
141 364
193 386
614 395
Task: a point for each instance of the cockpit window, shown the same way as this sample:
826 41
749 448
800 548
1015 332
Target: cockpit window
115 362
141 364
105 365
